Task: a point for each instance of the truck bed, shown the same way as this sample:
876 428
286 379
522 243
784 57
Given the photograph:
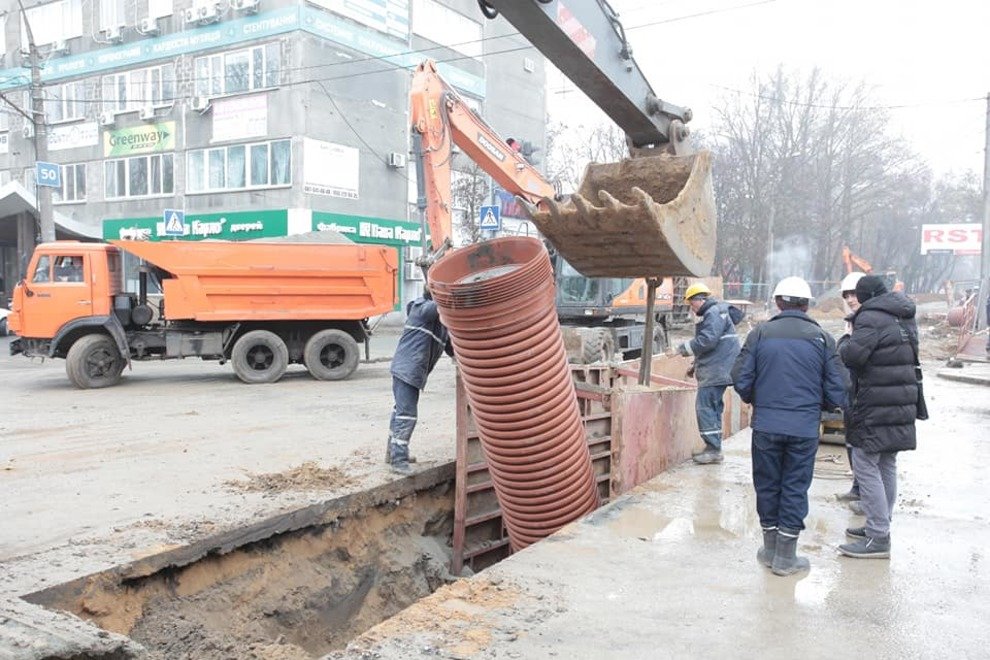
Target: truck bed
262 281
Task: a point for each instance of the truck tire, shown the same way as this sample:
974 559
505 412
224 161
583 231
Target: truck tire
598 346
94 362
259 356
331 355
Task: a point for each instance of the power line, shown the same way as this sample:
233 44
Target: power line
804 104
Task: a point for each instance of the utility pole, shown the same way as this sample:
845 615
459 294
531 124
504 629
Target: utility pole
42 193
985 253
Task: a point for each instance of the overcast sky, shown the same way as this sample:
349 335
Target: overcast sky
931 55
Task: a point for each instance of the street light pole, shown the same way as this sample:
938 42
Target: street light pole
985 247
770 222
42 193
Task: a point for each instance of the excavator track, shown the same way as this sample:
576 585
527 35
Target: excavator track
640 217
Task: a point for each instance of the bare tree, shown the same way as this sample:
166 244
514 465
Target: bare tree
470 189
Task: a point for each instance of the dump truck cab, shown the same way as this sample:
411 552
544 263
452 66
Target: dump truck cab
68 291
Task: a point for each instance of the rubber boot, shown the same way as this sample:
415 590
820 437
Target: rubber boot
389 451
785 559
399 457
765 554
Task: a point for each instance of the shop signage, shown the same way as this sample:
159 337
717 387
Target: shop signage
240 117
73 136
330 169
959 238
388 16
135 140
361 229
235 226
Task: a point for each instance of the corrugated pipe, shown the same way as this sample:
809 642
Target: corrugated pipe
497 300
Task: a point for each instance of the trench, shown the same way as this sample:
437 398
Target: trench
294 595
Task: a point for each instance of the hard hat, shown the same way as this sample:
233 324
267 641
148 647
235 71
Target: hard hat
792 288
849 281
695 289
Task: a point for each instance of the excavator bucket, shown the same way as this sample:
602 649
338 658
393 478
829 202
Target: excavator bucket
643 217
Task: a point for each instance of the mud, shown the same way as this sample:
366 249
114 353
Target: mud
294 596
308 476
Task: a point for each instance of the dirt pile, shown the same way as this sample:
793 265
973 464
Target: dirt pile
308 476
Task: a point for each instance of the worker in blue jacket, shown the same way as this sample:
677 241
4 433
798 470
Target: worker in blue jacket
789 371
424 339
714 347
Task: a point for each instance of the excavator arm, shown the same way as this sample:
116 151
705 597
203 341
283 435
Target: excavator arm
441 119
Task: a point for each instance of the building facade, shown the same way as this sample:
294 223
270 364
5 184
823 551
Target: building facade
252 118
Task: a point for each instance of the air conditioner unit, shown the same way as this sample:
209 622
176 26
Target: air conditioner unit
192 15
200 104
208 13
60 47
148 26
114 34
147 112
412 252
28 131
246 6
396 160
107 118
414 272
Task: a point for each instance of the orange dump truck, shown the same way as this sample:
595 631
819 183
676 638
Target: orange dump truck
262 306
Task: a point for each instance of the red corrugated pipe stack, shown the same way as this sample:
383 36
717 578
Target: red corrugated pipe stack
497 300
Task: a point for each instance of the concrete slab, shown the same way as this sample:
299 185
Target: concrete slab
974 372
670 571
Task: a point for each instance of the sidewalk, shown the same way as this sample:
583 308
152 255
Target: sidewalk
670 570
972 372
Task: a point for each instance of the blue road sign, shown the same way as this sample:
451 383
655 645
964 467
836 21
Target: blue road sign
491 218
48 174
175 222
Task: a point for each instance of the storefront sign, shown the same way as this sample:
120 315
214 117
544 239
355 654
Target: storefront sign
144 139
960 238
330 169
235 226
361 229
228 33
240 117
73 136
388 16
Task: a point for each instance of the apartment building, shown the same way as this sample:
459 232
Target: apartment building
252 118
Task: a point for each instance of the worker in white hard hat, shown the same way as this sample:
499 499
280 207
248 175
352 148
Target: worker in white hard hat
851 304
788 369
714 347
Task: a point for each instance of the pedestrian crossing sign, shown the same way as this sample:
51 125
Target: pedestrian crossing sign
175 222
491 218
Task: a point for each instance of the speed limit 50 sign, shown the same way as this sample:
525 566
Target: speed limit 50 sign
48 174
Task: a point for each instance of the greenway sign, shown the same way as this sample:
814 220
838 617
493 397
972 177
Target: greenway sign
136 140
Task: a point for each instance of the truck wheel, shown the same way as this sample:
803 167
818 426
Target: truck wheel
259 356
331 355
598 346
93 362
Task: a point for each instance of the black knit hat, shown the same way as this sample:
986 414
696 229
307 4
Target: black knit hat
868 287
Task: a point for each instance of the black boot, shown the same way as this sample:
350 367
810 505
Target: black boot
390 452
765 554
785 559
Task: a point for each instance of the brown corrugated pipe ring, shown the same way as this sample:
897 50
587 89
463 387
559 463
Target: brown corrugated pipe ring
497 299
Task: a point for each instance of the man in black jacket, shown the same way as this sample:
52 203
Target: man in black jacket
788 369
881 354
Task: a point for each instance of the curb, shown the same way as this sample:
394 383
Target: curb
964 378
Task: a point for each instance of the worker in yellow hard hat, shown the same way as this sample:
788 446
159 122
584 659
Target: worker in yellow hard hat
714 347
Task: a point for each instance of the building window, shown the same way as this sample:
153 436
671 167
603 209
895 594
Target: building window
159 8
66 102
239 167
111 14
238 70
73 184
5 117
139 176
132 90
55 21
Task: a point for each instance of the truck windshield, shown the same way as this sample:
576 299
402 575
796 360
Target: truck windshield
573 287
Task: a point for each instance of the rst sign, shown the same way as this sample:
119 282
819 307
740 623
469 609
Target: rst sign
959 238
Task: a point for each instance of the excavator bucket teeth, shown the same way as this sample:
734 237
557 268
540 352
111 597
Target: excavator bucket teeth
641 217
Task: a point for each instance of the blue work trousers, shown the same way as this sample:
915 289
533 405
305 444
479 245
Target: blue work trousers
403 422
708 406
783 466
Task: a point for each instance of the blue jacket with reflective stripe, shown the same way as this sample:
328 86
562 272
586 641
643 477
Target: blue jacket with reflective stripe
423 341
715 345
789 370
